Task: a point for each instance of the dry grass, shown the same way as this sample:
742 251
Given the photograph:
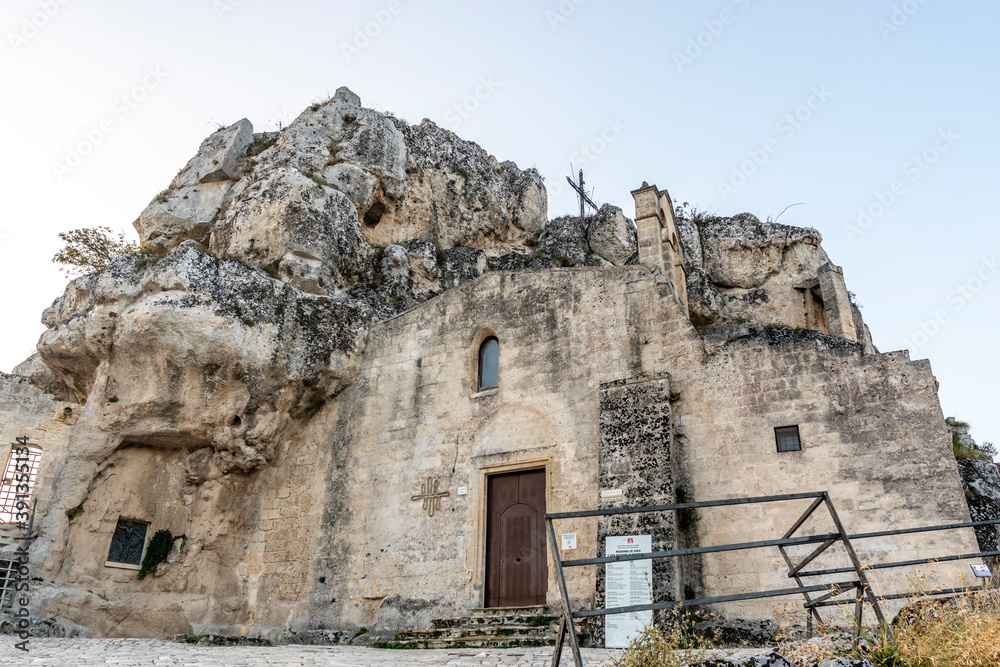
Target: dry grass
961 632
672 643
958 632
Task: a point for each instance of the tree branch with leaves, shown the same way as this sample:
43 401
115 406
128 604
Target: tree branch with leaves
91 249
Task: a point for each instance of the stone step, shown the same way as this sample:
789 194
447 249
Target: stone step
508 627
502 631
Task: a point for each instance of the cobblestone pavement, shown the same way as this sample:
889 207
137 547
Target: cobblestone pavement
126 652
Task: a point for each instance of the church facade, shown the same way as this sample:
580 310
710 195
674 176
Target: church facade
403 475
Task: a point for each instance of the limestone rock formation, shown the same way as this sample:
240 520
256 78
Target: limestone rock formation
309 232
238 354
396 264
313 203
769 659
744 252
43 377
981 481
190 206
459 195
739 269
612 236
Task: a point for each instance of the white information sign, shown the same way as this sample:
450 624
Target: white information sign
982 571
627 583
568 541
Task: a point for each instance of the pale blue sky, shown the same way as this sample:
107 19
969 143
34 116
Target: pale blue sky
557 76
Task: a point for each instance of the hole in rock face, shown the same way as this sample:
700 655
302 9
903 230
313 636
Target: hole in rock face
237 421
374 214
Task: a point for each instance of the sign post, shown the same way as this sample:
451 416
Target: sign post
983 572
627 583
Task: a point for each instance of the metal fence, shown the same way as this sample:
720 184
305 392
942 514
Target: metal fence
859 585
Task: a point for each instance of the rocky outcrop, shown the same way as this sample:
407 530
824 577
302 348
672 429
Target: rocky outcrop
314 203
739 269
981 481
238 354
612 236
743 252
307 230
738 631
459 195
191 205
769 659
43 378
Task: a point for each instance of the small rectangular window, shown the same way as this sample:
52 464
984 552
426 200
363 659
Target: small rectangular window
127 543
18 481
787 438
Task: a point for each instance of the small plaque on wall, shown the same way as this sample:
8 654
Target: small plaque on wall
980 571
568 541
612 495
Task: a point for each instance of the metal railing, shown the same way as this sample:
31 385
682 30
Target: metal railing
860 585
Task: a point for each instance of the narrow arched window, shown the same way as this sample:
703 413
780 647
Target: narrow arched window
489 364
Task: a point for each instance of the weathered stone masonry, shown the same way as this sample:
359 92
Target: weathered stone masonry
284 394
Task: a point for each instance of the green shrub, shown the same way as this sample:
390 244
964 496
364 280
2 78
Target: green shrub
74 512
261 142
963 452
145 256
156 553
92 249
400 645
562 259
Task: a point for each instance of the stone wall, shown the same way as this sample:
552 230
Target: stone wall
635 458
26 411
414 414
872 435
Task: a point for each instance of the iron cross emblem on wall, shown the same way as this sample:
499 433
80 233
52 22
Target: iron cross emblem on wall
430 495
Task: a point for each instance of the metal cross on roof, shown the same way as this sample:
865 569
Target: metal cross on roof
581 194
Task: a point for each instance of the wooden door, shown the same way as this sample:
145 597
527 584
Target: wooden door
516 566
